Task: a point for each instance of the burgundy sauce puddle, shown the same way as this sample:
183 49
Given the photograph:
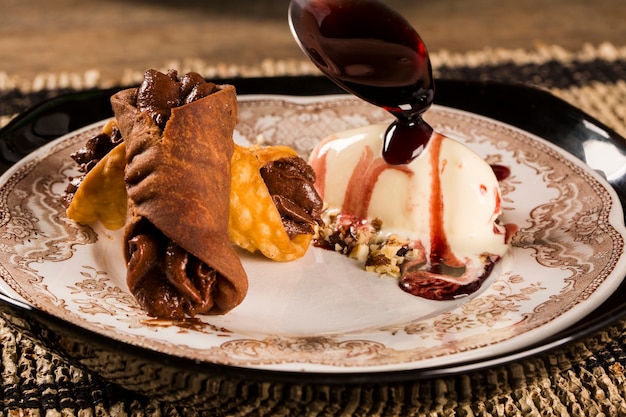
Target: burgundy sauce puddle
501 172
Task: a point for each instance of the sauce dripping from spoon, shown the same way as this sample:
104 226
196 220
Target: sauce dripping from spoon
371 51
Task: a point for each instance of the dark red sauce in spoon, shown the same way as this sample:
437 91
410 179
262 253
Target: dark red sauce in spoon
371 51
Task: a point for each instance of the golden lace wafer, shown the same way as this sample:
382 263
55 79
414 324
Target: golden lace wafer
255 223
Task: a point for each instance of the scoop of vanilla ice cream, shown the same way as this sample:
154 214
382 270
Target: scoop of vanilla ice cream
447 192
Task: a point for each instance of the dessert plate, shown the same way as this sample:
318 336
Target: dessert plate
324 314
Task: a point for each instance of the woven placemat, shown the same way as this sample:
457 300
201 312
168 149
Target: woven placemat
587 379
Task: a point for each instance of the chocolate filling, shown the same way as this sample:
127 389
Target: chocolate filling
160 93
87 157
167 280
290 183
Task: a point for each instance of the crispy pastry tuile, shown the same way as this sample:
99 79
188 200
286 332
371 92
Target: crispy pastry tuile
178 184
255 222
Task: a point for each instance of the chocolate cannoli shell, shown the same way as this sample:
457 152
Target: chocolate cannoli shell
180 181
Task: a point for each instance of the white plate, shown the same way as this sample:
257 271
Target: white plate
324 313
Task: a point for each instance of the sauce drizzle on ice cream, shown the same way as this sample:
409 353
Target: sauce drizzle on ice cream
445 204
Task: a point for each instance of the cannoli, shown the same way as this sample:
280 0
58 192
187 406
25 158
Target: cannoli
167 183
274 205
178 137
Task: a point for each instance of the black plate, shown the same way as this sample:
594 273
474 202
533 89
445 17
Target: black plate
530 109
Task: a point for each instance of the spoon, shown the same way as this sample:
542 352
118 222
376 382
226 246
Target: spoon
371 51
